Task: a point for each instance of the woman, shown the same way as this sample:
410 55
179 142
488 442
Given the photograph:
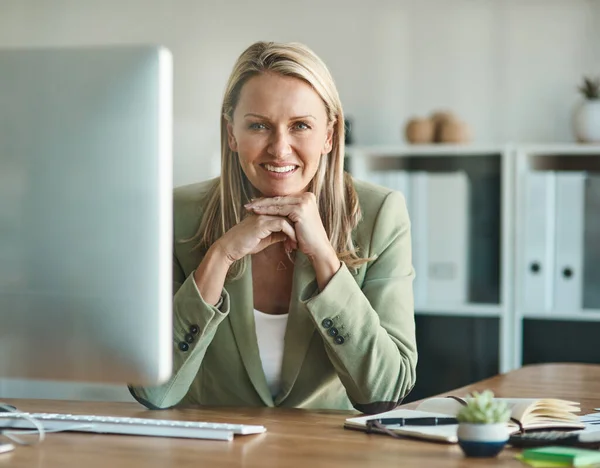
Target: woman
284 293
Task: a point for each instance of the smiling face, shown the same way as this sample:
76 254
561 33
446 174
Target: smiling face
280 131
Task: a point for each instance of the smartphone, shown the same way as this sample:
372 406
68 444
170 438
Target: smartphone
6 447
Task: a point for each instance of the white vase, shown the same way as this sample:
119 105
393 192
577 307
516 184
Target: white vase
586 121
482 440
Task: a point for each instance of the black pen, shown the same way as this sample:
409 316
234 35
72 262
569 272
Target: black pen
426 421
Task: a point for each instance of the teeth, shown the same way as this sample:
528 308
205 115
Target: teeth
279 169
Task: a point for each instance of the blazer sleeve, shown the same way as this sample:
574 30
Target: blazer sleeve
369 330
195 323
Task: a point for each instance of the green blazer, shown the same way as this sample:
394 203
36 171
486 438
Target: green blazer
369 364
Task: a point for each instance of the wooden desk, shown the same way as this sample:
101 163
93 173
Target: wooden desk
294 438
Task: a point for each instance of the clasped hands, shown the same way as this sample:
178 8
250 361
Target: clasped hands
293 220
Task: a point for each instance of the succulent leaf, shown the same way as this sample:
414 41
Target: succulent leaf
481 408
590 88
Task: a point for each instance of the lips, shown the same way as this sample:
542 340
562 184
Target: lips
281 169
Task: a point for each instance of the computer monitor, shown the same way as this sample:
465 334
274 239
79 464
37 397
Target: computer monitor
86 214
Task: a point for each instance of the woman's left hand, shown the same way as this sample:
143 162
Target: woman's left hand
303 212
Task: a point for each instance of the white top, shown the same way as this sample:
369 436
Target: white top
270 332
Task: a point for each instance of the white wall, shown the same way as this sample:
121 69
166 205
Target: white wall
509 67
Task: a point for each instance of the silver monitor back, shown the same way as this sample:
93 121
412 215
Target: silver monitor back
86 214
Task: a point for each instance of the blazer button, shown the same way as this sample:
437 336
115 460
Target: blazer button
194 329
327 323
333 331
183 346
189 338
339 339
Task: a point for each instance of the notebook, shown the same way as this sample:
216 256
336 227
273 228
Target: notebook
528 413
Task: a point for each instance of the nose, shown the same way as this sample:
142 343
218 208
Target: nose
279 145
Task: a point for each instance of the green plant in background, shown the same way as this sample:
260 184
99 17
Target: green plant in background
481 408
590 88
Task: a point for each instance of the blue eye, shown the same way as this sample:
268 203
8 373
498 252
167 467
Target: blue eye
257 126
301 126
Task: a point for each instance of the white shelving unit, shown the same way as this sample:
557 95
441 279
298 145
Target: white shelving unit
375 163
467 310
550 182
552 270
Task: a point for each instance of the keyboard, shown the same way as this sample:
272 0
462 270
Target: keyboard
128 426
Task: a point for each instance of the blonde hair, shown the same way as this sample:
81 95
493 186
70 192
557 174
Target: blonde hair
333 189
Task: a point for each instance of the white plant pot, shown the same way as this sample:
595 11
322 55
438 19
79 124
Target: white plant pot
586 121
482 440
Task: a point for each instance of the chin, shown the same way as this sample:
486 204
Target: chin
278 193
283 191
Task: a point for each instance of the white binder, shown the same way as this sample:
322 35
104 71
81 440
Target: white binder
377 178
568 271
417 210
393 179
398 181
448 238
538 249
440 219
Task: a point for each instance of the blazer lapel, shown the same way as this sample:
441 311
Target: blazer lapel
241 317
300 327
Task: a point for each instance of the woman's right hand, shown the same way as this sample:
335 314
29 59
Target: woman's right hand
250 236
255 233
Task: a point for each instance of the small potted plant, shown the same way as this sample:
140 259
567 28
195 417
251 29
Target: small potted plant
482 425
586 118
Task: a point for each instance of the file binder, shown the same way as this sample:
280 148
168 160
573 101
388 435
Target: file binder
440 219
393 179
568 272
399 181
538 255
377 178
417 210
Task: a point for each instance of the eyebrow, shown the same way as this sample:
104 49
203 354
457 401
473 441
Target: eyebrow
299 117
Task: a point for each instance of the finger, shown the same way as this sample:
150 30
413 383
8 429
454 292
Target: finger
276 237
273 210
274 201
277 224
267 241
290 245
